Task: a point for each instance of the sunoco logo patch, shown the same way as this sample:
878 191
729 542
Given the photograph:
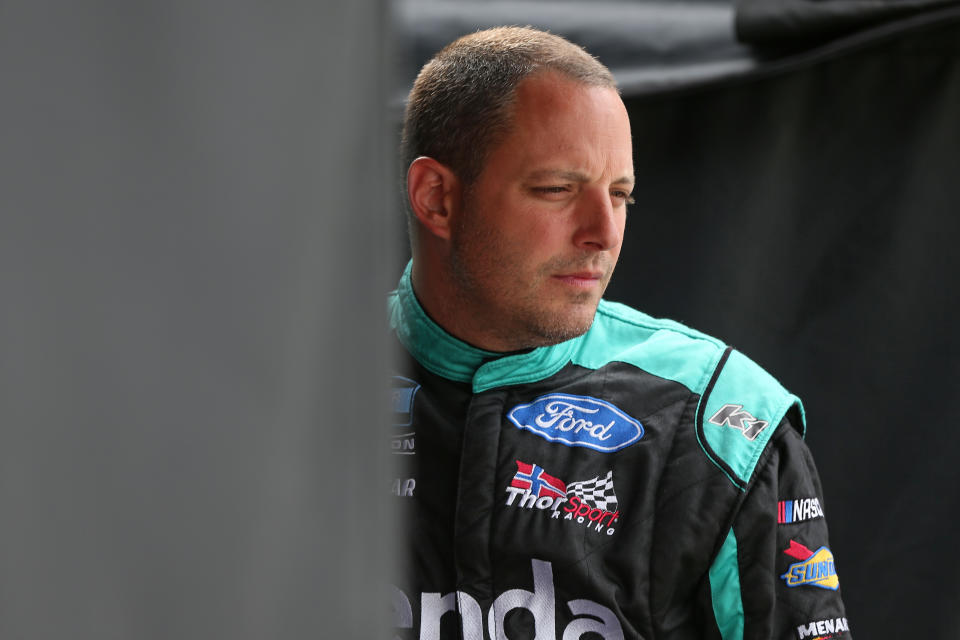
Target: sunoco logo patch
577 421
816 568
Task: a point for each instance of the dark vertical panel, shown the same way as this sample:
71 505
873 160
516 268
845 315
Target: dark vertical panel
810 219
193 240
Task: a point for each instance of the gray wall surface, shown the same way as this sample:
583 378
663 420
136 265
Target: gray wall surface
193 229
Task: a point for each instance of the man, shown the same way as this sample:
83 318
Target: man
575 467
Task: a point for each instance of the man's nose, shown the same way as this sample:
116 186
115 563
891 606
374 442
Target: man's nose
599 222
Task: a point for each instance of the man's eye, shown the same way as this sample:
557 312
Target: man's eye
551 189
623 195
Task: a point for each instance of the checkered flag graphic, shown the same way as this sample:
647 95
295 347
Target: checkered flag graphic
596 492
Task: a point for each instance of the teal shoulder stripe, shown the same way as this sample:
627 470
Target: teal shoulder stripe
663 348
738 414
725 590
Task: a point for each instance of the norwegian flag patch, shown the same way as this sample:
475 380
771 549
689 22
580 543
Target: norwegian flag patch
532 477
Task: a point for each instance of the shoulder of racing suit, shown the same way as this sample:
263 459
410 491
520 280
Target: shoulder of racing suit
740 405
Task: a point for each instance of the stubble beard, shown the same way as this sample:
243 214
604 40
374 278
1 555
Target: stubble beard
574 318
519 317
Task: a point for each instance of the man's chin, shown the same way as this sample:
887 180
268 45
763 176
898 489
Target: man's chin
563 326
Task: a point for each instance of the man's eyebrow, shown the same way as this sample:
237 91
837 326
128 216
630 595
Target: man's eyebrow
561 174
572 176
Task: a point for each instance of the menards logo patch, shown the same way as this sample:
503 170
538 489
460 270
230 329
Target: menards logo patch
823 629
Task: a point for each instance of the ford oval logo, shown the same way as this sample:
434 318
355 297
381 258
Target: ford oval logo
577 421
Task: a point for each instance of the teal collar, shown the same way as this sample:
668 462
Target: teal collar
444 355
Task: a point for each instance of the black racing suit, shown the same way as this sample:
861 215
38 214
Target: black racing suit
640 481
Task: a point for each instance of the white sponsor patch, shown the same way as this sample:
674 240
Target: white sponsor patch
591 618
798 510
822 629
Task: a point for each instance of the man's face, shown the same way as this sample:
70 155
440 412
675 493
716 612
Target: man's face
540 230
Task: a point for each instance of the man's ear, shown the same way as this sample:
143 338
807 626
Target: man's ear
434 193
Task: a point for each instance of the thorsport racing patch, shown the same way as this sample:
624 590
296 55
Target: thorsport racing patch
591 503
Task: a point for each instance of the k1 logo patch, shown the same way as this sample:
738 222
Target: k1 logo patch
577 421
733 415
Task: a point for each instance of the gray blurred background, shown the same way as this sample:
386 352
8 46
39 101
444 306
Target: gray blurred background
194 237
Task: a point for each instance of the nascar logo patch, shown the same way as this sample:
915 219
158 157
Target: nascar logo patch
790 511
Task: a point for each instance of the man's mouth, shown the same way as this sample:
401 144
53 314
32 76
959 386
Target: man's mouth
581 278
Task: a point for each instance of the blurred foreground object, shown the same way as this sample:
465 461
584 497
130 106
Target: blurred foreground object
192 300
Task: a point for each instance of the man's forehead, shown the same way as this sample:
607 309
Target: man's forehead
563 129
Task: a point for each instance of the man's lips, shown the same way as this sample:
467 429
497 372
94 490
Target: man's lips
580 278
